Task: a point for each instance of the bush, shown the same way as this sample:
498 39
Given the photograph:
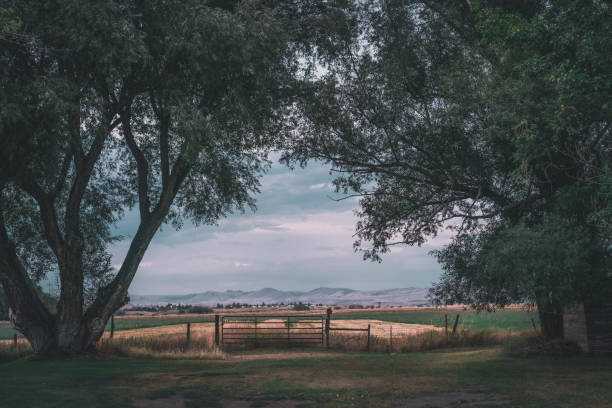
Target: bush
300 307
199 309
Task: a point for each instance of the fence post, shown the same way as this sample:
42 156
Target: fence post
455 325
217 330
322 332
288 330
446 324
368 337
112 333
327 323
533 324
188 331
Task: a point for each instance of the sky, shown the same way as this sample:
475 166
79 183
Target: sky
298 239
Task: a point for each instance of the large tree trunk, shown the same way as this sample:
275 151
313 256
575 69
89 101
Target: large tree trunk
551 321
68 333
56 341
74 330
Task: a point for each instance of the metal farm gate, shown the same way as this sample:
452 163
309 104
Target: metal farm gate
257 329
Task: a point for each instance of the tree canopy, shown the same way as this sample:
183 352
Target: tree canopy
489 118
169 106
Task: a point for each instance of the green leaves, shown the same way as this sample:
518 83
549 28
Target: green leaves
554 263
168 105
8 22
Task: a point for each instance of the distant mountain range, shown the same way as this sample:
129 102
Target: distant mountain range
326 296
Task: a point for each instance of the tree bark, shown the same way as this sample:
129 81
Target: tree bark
551 322
26 311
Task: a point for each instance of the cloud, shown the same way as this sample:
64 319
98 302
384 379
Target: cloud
141 265
298 239
317 186
241 265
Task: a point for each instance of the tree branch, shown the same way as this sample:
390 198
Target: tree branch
27 312
142 166
53 233
163 147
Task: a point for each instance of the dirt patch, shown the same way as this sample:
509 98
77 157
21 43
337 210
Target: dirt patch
282 356
450 399
263 404
172 402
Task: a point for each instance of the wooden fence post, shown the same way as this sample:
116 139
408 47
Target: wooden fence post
446 324
217 330
533 324
327 324
368 337
188 331
455 325
288 330
112 333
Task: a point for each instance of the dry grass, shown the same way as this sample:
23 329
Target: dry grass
10 351
22 344
178 329
424 340
164 342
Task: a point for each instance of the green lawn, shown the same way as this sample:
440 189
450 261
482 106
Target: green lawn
7 332
513 320
324 379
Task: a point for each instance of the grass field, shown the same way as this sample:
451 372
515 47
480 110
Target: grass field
511 320
309 379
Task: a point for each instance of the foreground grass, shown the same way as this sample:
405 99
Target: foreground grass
321 378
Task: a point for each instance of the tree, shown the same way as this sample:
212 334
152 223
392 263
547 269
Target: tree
490 118
168 106
552 264
549 93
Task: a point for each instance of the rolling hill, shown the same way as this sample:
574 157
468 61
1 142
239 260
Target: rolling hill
323 295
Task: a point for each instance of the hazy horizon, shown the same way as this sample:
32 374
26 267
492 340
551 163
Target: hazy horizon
283 290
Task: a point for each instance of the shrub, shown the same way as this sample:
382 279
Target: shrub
199 309
300 307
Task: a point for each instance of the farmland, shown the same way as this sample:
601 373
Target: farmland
510 319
